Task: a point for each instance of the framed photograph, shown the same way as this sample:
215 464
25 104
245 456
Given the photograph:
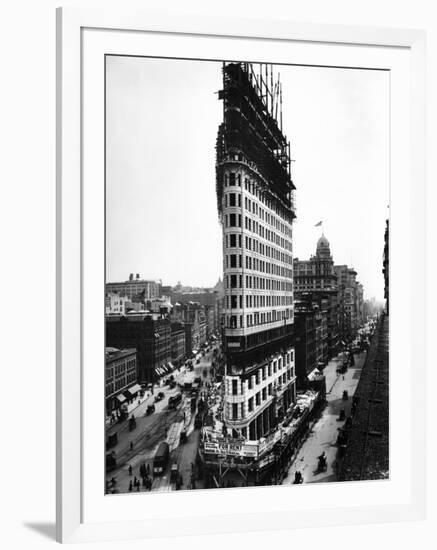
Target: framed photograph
240 307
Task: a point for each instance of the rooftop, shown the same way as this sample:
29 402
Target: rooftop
111 354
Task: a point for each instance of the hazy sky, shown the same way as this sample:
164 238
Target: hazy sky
161 211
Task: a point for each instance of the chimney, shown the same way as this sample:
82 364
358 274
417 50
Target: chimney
138 275
131 277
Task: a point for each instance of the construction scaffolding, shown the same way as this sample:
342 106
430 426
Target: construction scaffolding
251 132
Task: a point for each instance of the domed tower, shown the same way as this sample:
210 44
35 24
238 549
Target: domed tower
324 264
323 250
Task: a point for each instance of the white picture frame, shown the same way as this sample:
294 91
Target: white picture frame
80 516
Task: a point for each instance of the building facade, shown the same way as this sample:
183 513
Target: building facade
135 287
149 334
178 351
119 304
318 277
211 320
311 338
120 375
116 303
256 210
351 300
193 316
360 304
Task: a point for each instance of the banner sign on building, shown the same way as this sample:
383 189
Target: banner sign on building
225 448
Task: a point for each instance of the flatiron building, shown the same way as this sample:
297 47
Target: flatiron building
256 210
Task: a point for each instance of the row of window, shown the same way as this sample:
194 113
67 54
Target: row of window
234 220
263 373
256 319
253 300
234 240
234 200
115 369
258 283
233 179
118 384
308 288
239 409
255 264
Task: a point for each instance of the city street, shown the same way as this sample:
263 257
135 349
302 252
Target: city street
323 434
162 425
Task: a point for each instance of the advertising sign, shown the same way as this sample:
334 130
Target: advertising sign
226 448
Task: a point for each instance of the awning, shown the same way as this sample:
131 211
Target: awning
158 372
170 366
121 397
134 389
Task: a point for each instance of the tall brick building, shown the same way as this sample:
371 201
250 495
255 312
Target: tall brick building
149 334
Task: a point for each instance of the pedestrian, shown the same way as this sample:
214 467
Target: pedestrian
148 469
135 481
130 486
130 470
131 445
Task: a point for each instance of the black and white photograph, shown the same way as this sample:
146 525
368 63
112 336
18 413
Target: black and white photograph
226 209
246 305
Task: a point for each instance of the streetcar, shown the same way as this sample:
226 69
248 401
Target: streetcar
174 400
160 459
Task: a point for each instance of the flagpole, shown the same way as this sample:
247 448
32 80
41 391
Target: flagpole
320 224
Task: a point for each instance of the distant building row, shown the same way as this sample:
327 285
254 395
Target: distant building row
329 309
165 330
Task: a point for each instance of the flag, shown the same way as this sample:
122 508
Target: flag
318 224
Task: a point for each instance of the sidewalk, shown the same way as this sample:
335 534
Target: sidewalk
323 435
163 424
139 405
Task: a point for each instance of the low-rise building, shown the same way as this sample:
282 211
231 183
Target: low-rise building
120 376
135 286
116 303
160 305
